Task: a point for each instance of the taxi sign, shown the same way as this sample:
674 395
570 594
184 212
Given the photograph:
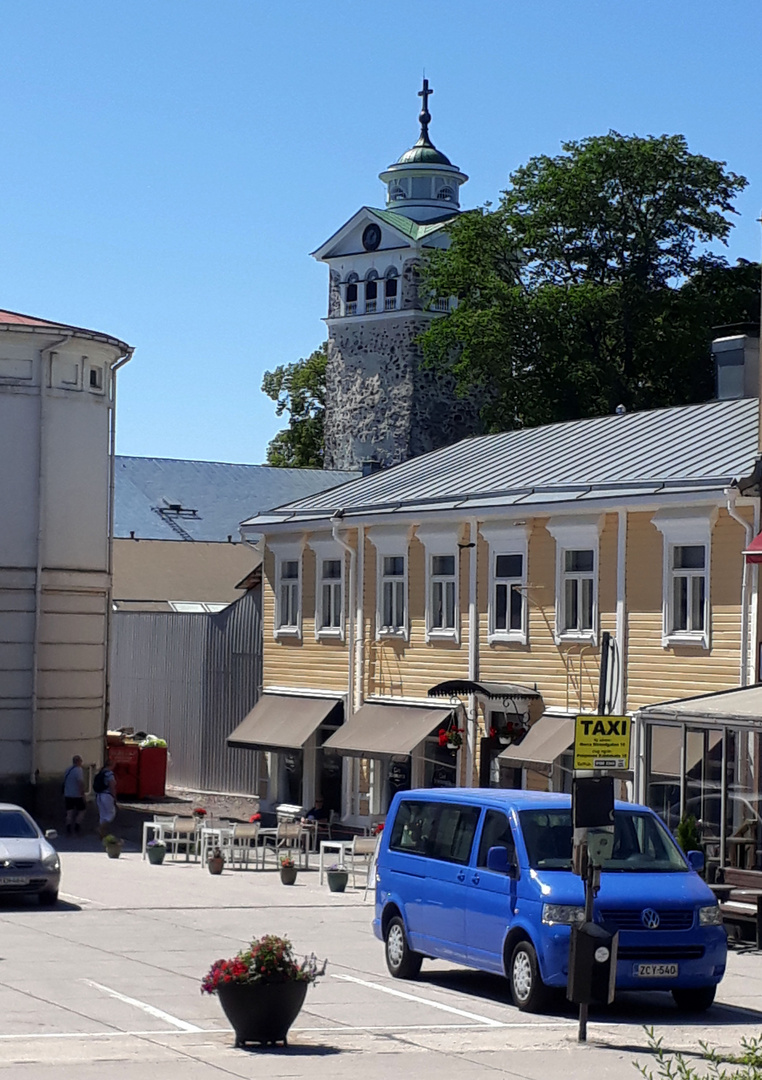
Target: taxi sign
602 742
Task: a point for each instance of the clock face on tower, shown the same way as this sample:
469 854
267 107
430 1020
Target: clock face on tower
371 237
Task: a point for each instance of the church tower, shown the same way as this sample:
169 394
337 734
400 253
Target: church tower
382 405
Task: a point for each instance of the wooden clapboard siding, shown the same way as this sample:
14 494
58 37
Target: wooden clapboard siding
656 673
302 663
566 674
410 668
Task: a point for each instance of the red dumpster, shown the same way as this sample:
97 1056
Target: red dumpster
152 772
125 763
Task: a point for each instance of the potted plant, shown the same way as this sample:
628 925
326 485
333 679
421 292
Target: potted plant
156 850
199 813
113 846
287 870
337 878
688 835
451 737
215 862
262 989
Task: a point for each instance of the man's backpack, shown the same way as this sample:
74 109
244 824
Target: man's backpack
100 784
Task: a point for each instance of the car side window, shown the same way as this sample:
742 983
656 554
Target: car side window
436 830
496 832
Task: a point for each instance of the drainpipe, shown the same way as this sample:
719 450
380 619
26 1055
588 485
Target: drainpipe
621 611
360 620
473 650
120 362
730 506
41 507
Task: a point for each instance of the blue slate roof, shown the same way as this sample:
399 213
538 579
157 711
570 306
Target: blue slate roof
169 499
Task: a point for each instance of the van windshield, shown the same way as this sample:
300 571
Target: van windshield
641 843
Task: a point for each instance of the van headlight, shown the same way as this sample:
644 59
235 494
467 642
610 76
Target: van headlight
710 916
51 862
566 914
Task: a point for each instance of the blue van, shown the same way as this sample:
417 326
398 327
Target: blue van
482 877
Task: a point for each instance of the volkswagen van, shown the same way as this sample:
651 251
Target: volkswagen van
483 878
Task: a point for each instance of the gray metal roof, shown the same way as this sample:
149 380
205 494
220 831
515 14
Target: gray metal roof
687 448
221 495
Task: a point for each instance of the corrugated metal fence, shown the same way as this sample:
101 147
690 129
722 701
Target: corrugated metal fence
191 678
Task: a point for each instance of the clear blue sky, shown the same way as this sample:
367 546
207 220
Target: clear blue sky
169 165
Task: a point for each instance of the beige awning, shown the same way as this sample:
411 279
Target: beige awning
281 722
383 730
543 743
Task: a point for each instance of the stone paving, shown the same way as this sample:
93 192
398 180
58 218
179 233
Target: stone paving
107 984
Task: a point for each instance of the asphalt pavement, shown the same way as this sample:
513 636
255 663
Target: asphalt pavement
108 985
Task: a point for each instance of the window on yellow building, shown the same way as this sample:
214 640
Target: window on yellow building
578 591
393 589
508 601
688 589
442 592
331 610
288 595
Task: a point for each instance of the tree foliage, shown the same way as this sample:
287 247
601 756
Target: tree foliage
299 390
592 283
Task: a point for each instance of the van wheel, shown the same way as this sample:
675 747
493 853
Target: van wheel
694 999
529 992
402 962
48 897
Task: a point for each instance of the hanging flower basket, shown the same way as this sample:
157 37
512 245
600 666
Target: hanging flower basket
451 737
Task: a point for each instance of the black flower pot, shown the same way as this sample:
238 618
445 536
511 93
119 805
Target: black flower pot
262 1012
288 875
337 880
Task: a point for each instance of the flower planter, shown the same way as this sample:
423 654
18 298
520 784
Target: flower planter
113 850
337 880
215 864
288 875
156 854
262 1012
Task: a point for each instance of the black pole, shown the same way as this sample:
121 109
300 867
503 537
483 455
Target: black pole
604 679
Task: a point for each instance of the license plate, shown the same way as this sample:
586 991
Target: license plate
14 881
655 971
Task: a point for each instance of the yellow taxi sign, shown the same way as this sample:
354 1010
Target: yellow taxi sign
602 742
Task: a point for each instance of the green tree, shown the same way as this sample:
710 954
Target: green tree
299 390
592 283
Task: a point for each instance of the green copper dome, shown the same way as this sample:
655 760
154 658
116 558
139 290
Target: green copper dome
423 153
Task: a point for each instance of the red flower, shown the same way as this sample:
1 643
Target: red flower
492 732
255 817
442 737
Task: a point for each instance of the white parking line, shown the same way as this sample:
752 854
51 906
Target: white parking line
79 899
486 1020
182 1025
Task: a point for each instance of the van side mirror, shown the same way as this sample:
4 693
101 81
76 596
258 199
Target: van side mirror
696 861
51 834
498 861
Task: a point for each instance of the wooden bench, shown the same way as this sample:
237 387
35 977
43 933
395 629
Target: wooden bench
740 898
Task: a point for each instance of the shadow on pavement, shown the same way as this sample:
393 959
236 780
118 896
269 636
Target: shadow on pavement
293 1051
24 903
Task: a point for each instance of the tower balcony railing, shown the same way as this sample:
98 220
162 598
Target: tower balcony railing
441 303
390 303
370 305
351 307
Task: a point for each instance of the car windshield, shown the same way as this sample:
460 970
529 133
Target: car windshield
16 826
641 843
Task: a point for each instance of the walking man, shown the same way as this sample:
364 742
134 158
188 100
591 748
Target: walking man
74 795
104 786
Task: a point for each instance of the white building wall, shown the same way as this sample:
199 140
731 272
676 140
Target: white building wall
54 488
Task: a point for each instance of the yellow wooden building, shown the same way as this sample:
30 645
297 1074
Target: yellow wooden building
472 593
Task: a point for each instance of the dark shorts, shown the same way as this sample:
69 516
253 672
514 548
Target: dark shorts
74 804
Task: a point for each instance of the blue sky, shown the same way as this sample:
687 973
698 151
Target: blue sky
169 165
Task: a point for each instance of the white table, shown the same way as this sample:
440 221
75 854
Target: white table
216 836
158 828
341 847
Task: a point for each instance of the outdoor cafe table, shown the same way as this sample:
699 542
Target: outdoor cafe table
341 847
217 836
271 834
159 830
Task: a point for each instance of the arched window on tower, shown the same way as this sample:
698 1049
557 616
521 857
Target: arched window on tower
371 291
390 290
446 194
396 193
350 300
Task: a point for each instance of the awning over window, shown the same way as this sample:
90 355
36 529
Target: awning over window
753 553
506 694
383 730
281 722
544 743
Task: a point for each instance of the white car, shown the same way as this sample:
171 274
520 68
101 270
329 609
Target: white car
29 863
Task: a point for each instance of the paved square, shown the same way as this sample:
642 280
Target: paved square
108 984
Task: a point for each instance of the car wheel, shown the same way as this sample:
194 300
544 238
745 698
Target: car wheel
694 999
402 962
529 992
48 897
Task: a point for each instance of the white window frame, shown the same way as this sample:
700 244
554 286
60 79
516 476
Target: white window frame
391 541
580 533
441 539
507 538
290 551
327 549
685 528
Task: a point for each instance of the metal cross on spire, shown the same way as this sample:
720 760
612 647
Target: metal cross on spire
425 115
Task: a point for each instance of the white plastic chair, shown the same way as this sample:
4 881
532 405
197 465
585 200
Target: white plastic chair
244 841
183 834
362 851
291 839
